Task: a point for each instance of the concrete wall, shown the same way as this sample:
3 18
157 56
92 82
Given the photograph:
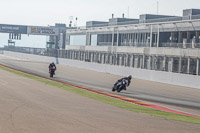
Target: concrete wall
158 76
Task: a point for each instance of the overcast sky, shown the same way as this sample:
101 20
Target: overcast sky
49 12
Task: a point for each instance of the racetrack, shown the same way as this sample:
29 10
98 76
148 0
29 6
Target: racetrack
29 106
177 97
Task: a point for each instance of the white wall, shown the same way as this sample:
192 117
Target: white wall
158 76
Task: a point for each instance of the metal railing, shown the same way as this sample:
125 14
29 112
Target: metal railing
147 44
181 45
38 51
104 44
128 44
143 44
135 44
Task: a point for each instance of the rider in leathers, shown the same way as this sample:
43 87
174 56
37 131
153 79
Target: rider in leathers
51 66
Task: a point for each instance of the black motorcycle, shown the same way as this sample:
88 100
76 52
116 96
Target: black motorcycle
52 72
120 86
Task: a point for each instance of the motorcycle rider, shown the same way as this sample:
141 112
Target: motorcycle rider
125 78
52 66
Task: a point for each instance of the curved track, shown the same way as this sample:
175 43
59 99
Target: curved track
177 97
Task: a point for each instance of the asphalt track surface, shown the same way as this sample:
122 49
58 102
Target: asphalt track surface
28 106
176 97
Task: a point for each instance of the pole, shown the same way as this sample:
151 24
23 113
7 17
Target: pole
151 36
158 36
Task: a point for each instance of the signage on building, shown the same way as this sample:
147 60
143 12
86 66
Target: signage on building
37 30
4 28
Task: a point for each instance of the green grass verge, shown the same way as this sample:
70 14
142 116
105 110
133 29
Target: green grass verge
109 100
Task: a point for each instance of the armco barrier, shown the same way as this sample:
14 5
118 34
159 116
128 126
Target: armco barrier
151 75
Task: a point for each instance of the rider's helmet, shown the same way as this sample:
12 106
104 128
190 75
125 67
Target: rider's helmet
129 77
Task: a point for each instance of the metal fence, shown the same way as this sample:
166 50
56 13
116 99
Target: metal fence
147 44
181 45
37 51
151 62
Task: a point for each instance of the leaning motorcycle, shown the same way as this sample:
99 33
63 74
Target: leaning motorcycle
120 86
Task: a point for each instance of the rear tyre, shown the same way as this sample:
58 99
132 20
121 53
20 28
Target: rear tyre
51 75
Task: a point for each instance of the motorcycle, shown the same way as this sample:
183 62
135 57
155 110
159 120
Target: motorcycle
120 86
52 72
